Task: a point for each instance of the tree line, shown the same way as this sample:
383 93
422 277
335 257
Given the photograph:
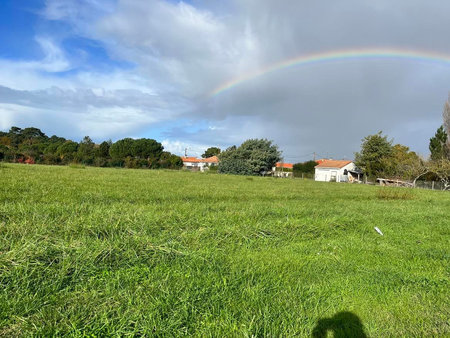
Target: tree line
378 156
31 145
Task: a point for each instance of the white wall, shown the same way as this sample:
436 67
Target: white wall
191 165
325 174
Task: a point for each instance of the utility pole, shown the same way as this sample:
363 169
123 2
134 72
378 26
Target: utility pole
185 152
314 156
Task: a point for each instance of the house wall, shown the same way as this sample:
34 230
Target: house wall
325 174
194 165
198 166
282 173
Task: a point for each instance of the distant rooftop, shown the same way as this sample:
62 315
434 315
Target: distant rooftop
284 165
212 159
333 163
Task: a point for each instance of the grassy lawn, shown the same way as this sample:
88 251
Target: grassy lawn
114 252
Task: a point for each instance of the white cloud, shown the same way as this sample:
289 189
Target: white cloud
181 147
181 52
21 72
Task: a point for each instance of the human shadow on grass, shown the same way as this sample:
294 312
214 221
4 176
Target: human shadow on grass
342 324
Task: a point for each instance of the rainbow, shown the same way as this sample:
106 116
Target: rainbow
334 56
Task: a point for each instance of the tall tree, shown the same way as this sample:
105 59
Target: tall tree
103 149
374 149
67 151
253 157
402 163
121 149
85 151
32 135
146 148
15 134
438 145
211 151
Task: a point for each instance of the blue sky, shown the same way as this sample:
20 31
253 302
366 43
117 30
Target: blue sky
17 28
146 68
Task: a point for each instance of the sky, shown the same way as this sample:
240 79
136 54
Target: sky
203 73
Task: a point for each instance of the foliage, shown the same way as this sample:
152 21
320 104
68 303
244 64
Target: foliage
122 148
5 140
304 168
253 157
234 165
100 252
103 149
3 151
441 169
213 169
33 146
211 151
86 152
402 163
438 145
67 151
374 150
170 161
146 148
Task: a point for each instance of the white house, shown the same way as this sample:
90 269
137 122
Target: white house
199 164
336 171
282 169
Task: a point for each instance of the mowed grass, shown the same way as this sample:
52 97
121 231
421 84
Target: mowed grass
103 252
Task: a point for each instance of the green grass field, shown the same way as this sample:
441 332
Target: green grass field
98 252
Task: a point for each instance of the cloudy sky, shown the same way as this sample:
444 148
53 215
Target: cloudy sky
150 68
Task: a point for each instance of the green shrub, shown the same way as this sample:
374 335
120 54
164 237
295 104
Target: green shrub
213 169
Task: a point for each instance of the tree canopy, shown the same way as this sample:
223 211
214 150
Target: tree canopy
253 157
438 145
304 168
374 149
32 144
211 151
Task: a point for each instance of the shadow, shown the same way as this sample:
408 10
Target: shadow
342 324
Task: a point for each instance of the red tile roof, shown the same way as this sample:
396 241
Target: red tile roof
333 164
191 159
284 165
212 159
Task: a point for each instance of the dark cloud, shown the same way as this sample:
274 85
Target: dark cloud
183 51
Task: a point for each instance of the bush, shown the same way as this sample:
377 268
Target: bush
130 162
213 169
307 167
234 166
253 157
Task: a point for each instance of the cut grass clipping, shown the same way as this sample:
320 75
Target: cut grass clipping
119 252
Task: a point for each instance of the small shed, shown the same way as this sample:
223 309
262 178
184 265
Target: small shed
334 170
